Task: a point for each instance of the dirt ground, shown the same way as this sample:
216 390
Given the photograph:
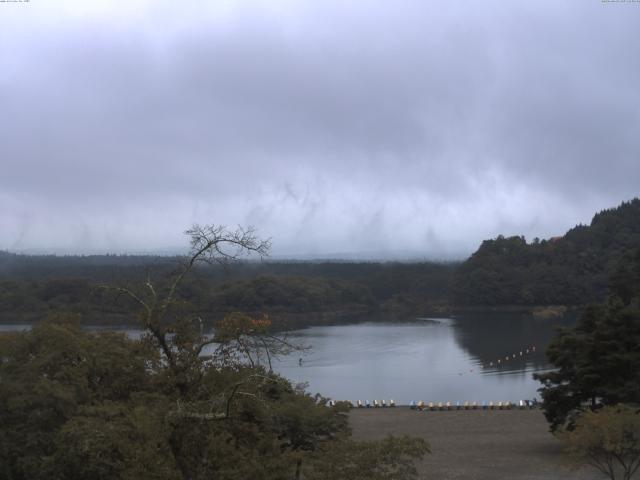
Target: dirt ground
475 444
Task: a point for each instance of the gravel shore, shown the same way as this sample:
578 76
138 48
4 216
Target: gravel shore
475 444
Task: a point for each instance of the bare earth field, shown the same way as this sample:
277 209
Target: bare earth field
475 444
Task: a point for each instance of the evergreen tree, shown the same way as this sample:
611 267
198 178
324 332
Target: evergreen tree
598 361
572 269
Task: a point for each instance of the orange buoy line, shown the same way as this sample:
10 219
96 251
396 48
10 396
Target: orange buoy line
513 356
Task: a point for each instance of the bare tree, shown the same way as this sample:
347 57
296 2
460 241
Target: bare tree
244 338
210 244
240 340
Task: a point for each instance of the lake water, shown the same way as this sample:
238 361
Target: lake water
472 358
467 359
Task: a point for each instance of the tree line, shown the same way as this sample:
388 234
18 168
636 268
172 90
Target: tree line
569 270
29 289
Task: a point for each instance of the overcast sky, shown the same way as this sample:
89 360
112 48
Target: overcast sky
331 126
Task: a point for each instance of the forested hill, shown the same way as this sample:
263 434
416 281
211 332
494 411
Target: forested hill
31 287
571 270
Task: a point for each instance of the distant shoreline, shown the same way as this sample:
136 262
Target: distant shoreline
326 318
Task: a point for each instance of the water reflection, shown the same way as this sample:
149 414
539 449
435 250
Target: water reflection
493 339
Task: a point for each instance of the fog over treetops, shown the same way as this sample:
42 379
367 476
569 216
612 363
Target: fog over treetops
405 128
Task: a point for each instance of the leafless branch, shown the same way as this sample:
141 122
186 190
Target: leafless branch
128 292
201 345
208 244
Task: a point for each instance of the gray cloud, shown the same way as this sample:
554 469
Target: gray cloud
330 126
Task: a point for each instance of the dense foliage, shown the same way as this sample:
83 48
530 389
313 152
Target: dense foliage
175 403
608 440
568 270
30 287
101 406
598 360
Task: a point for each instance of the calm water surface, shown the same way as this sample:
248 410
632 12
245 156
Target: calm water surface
426 359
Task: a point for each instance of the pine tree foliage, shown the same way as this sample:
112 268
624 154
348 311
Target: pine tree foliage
598 361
